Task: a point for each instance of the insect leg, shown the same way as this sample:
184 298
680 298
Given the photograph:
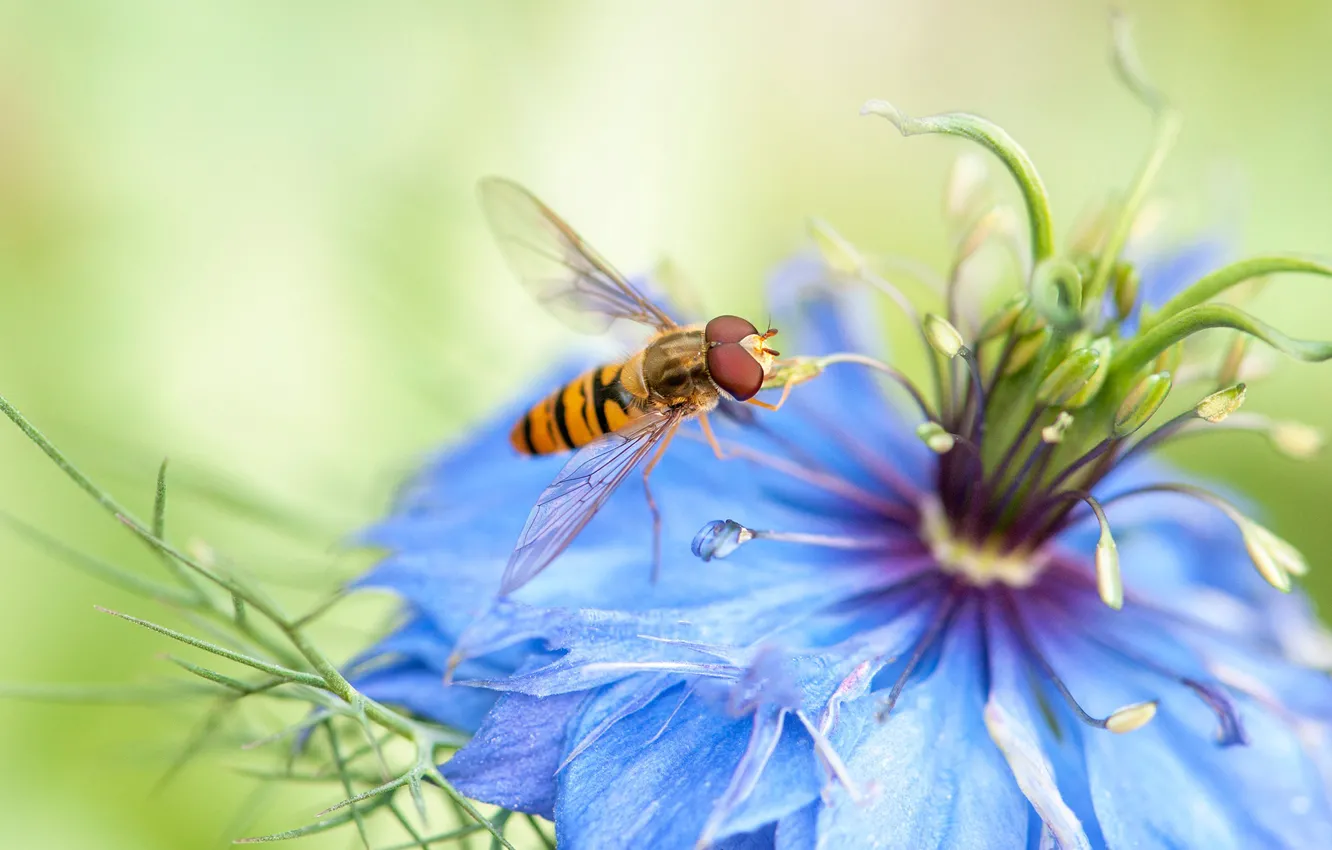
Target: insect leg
652 503
712 438
786 393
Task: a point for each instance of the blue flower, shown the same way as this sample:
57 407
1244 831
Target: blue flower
879 652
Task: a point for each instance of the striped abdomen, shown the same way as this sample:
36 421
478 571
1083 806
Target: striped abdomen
590 405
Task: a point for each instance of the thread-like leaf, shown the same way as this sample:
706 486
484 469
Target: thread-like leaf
249 661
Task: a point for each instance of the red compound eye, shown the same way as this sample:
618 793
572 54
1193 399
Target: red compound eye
727 329
735 370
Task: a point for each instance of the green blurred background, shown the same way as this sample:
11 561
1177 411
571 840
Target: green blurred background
243 234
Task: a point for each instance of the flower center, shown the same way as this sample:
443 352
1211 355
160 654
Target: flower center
982 564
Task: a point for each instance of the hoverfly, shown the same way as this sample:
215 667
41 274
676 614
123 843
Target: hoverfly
617 414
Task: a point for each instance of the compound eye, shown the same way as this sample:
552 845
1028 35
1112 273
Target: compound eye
735 370
727 329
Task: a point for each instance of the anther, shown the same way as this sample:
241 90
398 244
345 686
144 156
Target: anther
1131 717
1220 404
942 336
1069 377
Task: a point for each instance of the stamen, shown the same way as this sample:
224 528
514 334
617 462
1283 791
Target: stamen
1120 721
1067 379
1109 582
720 538
1275 559
823 480
943 615
1295 440
794 371
1213 409
1230 730
977 430
936 437
943 337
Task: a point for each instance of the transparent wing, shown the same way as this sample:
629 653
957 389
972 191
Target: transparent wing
578 492
563 273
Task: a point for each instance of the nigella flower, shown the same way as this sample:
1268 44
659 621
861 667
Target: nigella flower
981 616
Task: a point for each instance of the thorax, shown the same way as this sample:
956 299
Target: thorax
672 371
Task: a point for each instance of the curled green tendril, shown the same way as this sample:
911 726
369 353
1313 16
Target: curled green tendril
1217 282
998 142
1145 348
1167 122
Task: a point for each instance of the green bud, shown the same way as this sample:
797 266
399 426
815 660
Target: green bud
1070 376
1126 284
1141 403
932 434
1220 404
838 254
1026 349
1102 346
942 335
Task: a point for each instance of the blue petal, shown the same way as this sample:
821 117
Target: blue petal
629 790
934 778
799 830
1018 729
512 759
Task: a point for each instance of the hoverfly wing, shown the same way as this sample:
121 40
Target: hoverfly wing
578 492
563 273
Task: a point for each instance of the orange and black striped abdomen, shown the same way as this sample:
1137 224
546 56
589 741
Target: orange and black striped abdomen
590 405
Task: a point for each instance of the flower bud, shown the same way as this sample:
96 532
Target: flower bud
1220 404
1070 376
1141 403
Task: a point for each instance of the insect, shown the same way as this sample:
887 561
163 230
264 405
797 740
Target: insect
617 414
